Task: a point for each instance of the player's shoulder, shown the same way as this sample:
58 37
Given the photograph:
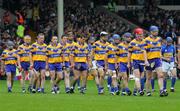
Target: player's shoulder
133 42
45 45
5 51
34 44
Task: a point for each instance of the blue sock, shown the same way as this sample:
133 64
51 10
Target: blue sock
135 90
34 86
97 86
127 89
42 90
152 83
123 90
112 89
164 84
142 83
78 82
109 80
173 81
116 89
9 88
67 89
75 84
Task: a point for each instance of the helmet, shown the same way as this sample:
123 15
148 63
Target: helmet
169 39
27 38
103 33
10 43
138 31
127 34
116 36
111 40
153 28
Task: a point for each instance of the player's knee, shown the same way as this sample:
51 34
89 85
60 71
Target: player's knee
137 79
125 77
43 77
160 75
67 76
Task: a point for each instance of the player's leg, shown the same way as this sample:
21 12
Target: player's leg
96 77
160 81
158 69
125 83
31 77
143 78
78 84
101 79
148 81
94 72
165 69
109 82
76 76
153 80
138 69
67 79
173 78
22 80
35 75
84 81
52 81
58 79
42 79
8 74
42 75
137 81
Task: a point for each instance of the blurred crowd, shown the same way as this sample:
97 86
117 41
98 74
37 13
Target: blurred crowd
41 16
168 21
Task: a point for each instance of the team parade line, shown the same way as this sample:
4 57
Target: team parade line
113 56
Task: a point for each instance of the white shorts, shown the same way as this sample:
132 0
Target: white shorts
166 67
94 64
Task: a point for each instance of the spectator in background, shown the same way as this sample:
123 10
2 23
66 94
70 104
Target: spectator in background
29 13
19 17
36 16
6 19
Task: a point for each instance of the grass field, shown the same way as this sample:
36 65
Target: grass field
17 101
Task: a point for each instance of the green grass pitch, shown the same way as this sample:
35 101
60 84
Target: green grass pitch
91 101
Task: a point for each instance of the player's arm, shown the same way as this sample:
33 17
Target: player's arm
89 58
178 58
145 58
18 59
106 60
129 55
129 59
46 59
63 57
19 63
71 57
2 66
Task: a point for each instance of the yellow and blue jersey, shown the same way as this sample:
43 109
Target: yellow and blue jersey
100 50
39 52
153 47
122 53
111 54
168 52
80 52
136 48
54 53
178 48
10 57
67 50
24 52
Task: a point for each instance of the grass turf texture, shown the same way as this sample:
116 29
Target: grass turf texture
91 101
